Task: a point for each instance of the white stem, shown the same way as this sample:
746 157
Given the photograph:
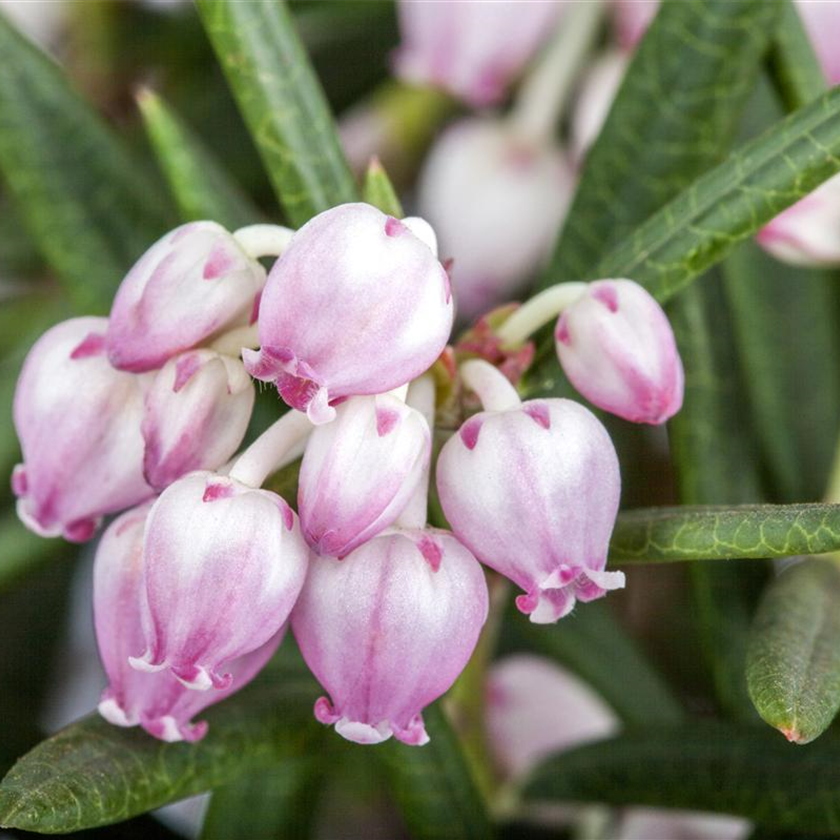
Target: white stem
539 311
263 240
400 393
492 386
271 449
232 342
544 92
421 395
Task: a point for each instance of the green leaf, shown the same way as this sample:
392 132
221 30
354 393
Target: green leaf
793 660
703 766
715 459
675 116
773 305
93 773
433 787
278 802
86 201
795 68
201 187
379 191
594 646
731 202
710 532
282 102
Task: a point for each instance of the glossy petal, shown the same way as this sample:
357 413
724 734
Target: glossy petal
78 421
388 629
359 472
357 304
157 702
616 345
497 203
473 50
196 414
189 286
533 492
223 567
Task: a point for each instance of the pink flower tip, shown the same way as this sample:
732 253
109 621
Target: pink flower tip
618 349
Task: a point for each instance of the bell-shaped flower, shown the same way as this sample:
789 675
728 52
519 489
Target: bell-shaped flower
359 472
616 345
388 629
533 492
472 50
190 285
357 304
808 232
157 702
196 414
78 421
497 201
223 566
536 708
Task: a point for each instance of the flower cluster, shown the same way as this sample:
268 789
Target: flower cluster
198 579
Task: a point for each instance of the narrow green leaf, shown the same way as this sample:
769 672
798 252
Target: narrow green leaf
731 202
282 102
773 305
593 645
93 773
795 68
709 532
703 766
201 187
715 459
276 803
86 201
793 659
675 116
379 191
433 786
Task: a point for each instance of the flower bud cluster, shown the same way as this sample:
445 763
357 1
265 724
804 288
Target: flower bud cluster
198 579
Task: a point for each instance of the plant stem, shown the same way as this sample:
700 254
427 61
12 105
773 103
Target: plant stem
545 91
232 342
263 240
271 449
539 311
493 388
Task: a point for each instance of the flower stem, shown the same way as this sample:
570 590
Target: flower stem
493 388
421 396
232 342
263 240
539 311
270 450
545 91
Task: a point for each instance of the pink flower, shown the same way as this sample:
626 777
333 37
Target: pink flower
78 421
190 285
388 629
359 472
473 50
822 23
808 232
357 304
497 202
223 566
196 414
157 702
632 18
535 708
618 349
533 492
